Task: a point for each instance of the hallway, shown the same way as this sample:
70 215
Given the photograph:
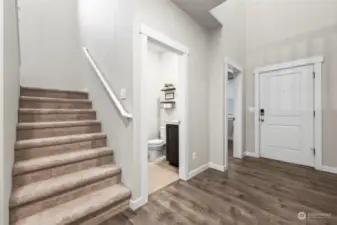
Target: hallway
254 191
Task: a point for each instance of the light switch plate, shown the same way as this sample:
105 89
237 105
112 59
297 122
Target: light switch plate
122 94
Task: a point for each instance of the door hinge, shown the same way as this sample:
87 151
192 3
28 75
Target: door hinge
314 74
314 113
313 150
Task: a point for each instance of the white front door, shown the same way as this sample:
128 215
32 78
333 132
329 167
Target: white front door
287 115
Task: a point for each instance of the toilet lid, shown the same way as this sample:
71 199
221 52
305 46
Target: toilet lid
156 142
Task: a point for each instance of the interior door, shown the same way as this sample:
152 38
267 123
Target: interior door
287 115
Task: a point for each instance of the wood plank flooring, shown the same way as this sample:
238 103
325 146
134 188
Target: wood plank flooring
252 192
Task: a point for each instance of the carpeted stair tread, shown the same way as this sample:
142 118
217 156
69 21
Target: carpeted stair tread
40 142
26 166
50 187
52 90
79 208
46 99
36 125
54 111
63 173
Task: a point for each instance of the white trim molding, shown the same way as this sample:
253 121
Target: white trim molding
135 204
218 167
280 66
252 154
145 35
231 65
329 169
198 170
317 64
163 39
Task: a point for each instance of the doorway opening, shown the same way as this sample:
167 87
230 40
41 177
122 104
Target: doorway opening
162 66
233 115
161 126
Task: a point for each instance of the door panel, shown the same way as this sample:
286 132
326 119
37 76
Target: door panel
287 127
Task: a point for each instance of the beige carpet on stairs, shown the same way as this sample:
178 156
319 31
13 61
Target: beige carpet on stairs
63 172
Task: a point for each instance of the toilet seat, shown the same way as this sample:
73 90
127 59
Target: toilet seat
156 142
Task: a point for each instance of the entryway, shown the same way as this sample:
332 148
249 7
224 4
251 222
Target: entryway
162 80
288 114
161 125
233 114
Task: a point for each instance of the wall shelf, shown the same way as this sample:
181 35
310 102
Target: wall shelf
167 104
168 89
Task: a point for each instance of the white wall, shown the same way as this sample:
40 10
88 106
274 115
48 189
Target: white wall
162 68
170 70
154 74
229 41
281 31
9 89
106 29
230 96
49 44
165 17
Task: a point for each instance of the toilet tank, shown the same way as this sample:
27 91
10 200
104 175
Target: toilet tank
163 133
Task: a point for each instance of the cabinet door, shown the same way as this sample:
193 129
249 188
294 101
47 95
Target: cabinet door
172 145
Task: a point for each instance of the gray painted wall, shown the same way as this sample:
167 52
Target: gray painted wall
262 32
49 44
10 88
281 31
106 29
228 41
165 17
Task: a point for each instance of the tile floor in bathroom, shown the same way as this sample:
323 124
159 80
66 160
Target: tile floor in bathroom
161 174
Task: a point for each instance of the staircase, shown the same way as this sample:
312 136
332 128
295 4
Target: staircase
63 172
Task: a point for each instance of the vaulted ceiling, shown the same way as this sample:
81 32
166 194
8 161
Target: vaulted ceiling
199 11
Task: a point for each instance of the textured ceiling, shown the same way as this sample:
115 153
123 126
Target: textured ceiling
199 11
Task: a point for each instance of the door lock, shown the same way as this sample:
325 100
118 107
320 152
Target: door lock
262 115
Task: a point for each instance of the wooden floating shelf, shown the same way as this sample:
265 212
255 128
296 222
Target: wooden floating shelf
168 102
168 89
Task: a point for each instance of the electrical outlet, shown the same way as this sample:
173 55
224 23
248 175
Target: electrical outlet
194 156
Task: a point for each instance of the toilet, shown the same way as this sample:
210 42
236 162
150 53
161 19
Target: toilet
156 147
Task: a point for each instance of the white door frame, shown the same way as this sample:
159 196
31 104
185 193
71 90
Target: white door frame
231 65
317 63
147 34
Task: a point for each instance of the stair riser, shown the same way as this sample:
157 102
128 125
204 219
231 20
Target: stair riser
24 134
53 94
24 179
49 202
54 105
26 118
24 154
104 214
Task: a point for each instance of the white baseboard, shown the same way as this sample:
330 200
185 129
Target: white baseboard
139 202
217 167
198 170
251 154
329 169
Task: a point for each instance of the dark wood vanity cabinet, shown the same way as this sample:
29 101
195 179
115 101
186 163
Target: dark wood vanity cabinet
172 144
